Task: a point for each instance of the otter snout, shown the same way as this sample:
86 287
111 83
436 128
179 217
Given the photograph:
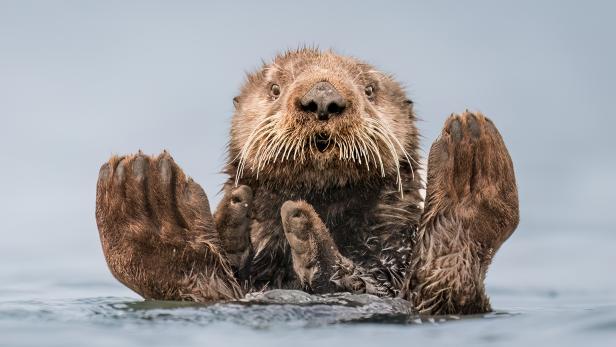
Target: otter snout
323 100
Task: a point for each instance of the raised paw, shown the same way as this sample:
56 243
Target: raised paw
471 208
141 197
233 225
313 251
470 174
157 231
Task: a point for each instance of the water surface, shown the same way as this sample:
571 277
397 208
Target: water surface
542 292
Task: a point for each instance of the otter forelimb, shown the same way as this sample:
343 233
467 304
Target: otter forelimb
157 231
471 208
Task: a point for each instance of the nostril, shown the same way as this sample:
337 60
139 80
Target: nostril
335 108
310 107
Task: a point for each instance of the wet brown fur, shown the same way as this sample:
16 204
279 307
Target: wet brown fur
347 218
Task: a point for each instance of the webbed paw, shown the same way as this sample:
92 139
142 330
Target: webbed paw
471 208
157 231
470 175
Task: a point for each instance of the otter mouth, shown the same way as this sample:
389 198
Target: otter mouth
322 142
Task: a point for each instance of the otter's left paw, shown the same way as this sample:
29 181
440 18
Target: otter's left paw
312 249
470 174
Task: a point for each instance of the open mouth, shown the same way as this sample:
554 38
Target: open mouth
322 141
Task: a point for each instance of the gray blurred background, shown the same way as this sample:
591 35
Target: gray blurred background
82 80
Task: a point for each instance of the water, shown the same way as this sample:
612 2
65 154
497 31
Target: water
550 288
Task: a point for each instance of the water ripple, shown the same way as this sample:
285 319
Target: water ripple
260 310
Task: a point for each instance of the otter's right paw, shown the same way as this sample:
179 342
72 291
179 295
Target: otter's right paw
233 224
157 231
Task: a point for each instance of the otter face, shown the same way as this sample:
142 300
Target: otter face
319 120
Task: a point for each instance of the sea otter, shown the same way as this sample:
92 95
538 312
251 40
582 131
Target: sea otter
323 194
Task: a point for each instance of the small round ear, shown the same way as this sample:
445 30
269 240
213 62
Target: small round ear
410 104
236 102
411 107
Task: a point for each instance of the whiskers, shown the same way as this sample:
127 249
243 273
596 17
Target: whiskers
371 145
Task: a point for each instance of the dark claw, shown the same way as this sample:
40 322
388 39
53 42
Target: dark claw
455 129
139 168
473 125
120 173
164 167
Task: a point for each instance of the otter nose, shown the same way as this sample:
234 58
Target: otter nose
323 100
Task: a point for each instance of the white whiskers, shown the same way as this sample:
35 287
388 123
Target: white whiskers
371 144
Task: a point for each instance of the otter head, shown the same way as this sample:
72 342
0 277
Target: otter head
319 120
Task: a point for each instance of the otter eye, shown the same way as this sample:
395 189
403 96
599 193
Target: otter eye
369 90
275 91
